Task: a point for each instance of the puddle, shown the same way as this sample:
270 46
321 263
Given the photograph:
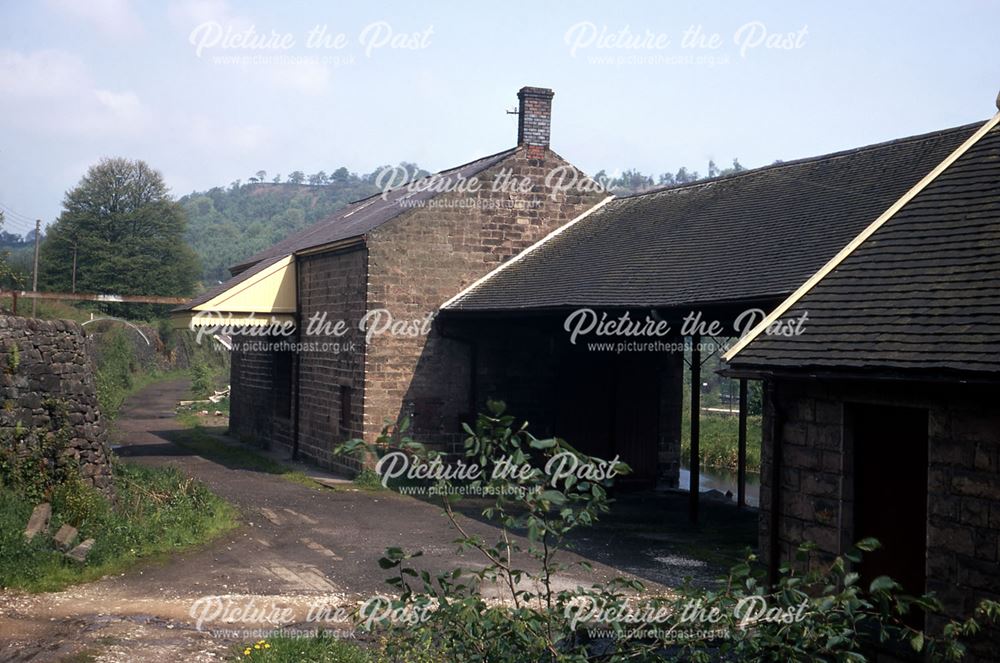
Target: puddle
722 480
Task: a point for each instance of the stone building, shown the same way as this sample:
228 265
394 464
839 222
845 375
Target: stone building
387 263
717 248
881 417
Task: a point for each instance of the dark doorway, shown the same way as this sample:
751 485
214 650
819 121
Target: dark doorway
890 493
607 405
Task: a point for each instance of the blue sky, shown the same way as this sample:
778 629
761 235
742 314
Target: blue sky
429 82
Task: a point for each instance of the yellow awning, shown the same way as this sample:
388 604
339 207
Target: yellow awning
272 290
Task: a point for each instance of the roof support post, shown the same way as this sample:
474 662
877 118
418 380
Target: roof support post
741 462
695 462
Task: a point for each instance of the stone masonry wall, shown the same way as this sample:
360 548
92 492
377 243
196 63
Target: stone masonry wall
333 284
252 416
963 479
48 391
423 258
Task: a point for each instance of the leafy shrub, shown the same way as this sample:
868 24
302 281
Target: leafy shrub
78 503
822 614
201 380
31 460
115 371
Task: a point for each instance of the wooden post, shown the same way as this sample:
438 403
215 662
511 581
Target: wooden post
695 462
14 306
741 471
34 278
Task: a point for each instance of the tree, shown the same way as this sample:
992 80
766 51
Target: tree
128 236
297 177
277 179
317 179
261 175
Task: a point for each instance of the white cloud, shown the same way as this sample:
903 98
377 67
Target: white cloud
216 138
187 14
307 76
53 92
112 17
40 74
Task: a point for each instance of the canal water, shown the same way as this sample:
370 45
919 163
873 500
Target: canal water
722 480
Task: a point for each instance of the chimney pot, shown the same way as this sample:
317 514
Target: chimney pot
534 120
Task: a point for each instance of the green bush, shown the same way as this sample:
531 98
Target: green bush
31 459
820 614
115 371
158 510
202 381
79 503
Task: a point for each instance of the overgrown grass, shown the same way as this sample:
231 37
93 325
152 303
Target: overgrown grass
718 440
159 511
200 441
47 309
120 375
319 649
368 479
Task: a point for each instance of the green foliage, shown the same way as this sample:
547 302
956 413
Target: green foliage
14 359
13 250
632 181
717 441
226 226
30 458
79 503
158 511
202 380
821 613
128 236
117 368
320 649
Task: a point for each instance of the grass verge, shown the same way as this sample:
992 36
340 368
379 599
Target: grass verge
319 649
159 511
718 441
195 438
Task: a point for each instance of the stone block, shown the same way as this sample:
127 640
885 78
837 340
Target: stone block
39 520
80 552
65 536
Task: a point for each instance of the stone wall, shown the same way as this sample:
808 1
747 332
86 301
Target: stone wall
252 416
331 372
423 258
48 391
807 419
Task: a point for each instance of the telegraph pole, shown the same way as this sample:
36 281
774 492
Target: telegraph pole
34 279
74 268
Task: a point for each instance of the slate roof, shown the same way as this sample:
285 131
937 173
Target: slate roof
752 236
921 294
354 220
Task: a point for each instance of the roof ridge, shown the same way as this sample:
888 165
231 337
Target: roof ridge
509 150
802 160
863 236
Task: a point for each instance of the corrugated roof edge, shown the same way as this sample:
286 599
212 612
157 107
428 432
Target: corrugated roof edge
863 236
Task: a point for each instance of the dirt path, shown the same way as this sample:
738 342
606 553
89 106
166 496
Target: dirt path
296 547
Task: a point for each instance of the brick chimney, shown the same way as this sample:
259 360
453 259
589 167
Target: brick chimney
534 120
